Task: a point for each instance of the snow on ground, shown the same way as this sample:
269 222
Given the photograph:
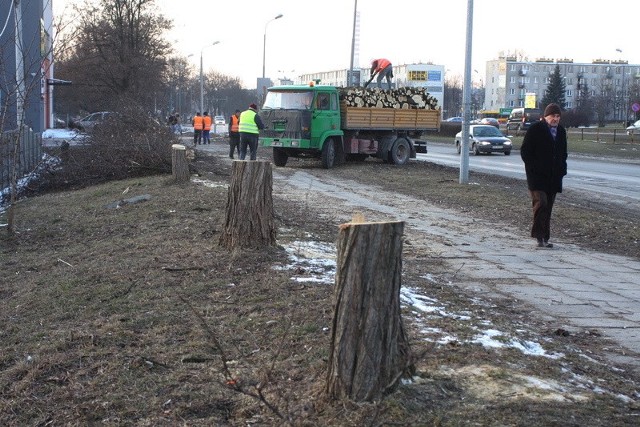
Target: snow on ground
56 137
316 262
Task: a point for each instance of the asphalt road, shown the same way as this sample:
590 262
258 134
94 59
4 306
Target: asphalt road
612 180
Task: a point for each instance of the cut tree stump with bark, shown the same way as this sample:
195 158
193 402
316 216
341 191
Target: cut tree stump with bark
179 164
249 220
369 351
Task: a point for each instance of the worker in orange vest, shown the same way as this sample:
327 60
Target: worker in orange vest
198 125
206 128
383 68
234 134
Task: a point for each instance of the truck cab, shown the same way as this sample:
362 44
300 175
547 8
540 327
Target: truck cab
302 121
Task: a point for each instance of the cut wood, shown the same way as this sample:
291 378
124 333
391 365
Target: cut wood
401 98
369 349
249 219
179 164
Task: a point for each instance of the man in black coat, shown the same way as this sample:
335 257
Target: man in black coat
544 152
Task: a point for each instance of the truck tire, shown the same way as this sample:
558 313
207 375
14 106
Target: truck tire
328 154
280 157
400 152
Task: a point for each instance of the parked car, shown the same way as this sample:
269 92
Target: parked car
490 121
219 120
634 128
88 123
485 139
454 119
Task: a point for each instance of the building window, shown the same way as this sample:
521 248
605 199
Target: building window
512 91
569 93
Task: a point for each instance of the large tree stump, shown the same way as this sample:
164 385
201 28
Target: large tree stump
179 164
249 220
369 349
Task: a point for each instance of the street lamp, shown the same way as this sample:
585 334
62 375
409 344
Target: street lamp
202 77
264 46
623 108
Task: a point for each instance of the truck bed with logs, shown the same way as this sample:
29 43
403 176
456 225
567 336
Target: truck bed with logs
336 124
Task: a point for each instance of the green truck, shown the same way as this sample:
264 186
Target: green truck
310 121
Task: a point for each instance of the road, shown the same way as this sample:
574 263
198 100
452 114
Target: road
610 180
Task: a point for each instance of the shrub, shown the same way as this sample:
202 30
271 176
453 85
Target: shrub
128 144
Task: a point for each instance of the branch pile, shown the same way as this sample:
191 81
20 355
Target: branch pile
401 98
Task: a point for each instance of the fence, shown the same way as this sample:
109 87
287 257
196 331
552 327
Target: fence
30 155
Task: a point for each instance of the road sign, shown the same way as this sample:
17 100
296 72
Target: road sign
635 107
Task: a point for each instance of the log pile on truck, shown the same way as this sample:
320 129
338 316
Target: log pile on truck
337 124
402 98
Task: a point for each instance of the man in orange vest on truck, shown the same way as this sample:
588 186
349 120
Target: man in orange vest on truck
198 125
383 68
234 134
206 128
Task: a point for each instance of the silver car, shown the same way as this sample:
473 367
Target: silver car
86 124
485 139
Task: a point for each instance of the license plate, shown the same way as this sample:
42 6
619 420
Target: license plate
276 144
497 147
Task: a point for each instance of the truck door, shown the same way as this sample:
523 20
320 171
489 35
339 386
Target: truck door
326 117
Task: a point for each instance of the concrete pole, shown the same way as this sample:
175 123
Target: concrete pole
466 99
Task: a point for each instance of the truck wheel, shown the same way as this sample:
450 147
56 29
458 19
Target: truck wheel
328 154
400 152
280 157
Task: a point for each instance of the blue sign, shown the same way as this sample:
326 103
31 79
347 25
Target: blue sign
434 76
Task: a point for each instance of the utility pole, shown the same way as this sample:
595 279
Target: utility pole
466 99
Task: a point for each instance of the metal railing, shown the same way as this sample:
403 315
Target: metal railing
28 158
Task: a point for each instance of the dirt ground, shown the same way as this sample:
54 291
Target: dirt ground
132 314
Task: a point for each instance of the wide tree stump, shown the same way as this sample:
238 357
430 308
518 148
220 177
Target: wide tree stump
249 219
369 349
179 164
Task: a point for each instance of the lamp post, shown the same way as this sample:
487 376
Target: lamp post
264 46
202 77
623 108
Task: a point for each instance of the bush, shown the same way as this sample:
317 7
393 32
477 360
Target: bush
128 144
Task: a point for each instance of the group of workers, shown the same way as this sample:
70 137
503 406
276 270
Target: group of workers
243 131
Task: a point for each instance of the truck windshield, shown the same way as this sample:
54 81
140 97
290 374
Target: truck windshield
288 100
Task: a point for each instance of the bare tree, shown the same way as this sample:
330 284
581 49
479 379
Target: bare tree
118 52
23 66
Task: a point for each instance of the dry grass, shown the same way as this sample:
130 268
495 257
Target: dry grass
135 316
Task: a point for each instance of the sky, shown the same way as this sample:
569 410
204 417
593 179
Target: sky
316 36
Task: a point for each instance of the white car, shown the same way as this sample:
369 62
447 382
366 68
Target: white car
634 128
219 120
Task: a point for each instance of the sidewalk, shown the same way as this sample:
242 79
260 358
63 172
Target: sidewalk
580 289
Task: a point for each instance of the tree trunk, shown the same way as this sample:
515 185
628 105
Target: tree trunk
179 164
369 349
249 220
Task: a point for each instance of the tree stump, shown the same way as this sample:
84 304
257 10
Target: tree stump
369 349
179 164
249 219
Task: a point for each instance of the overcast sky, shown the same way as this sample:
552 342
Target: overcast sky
316 35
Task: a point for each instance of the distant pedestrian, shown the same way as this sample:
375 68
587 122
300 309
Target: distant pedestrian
198 125
544 152
234 134
384 69
249 127
206 128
